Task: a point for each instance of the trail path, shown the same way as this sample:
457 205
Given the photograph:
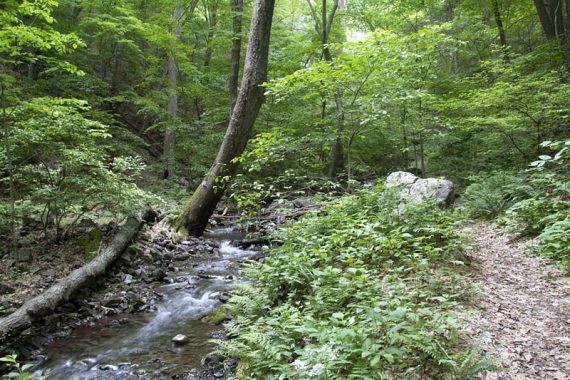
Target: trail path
523 306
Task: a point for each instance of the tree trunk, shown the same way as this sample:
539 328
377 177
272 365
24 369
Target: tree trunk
168 157
45 303
195 216
337 151
551 15
567 45
237 9
501 29
212 18
545 20
556 10
337 155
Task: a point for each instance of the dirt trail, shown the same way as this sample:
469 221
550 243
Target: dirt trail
523 306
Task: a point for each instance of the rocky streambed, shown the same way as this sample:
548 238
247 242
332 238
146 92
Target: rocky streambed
158 290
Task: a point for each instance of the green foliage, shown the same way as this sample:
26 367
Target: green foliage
353 292
555 242
492 194
35 42
535 204
63 170
20 372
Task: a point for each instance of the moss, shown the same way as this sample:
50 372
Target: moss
91 242
218 316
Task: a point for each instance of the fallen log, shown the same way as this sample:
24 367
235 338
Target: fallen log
45 303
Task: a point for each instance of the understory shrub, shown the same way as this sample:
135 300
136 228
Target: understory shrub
56 168
537 206
492 194
555 242
360 290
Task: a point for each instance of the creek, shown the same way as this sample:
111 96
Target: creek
140 346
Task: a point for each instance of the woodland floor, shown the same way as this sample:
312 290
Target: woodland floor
523 307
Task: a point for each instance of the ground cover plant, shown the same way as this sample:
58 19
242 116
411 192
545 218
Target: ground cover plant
363 289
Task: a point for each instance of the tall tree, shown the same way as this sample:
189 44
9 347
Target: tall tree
554 17
501 29
237 9
169 158
194 218
323 27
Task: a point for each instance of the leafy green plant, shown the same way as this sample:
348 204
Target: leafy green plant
492 194
19 371
350 294
64 170
555 242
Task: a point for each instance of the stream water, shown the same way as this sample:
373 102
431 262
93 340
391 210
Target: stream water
142 348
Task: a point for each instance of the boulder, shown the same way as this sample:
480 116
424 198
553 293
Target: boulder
180 340
421 189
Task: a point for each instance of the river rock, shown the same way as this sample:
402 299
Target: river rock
180 339
421 189
109 367
5 289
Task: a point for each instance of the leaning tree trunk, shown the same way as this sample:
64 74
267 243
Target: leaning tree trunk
237 9
197 212
45 303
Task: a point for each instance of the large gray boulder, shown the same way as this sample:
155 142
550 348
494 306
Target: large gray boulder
421 189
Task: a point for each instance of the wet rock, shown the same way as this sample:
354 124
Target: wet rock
167 256
109 367
218 316
224 297
126 258
50 274
158 274
212 360
180 340
150 216
5 289
114 302
24 255
181 257
88 362
128 279
155 253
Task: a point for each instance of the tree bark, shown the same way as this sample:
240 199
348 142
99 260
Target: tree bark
501 29
323 28
567 46
169 158
237 9
194 218
551 17
45 303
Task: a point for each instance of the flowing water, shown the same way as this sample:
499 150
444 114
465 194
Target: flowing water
142 348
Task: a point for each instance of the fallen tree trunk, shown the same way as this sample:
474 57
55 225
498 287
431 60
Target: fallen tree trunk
45 303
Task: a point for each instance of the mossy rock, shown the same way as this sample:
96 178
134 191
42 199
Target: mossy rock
218 316
91 242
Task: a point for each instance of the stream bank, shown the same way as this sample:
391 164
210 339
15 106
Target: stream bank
160 287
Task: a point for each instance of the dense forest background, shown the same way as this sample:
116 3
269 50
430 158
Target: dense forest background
98 96
110 107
